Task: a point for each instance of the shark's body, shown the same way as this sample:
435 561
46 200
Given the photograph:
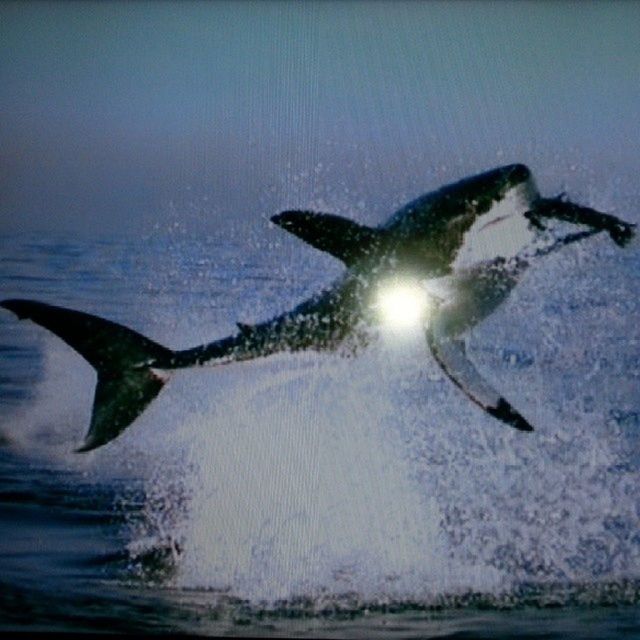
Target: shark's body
474 237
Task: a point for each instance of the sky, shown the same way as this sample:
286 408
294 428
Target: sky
135 117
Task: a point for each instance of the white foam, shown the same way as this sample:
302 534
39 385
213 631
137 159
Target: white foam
301 486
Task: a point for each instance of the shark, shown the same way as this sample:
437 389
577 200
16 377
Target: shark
463 247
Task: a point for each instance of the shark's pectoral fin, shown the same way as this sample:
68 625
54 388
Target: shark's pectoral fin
342 238
450 353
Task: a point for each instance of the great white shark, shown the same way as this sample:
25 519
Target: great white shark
472 239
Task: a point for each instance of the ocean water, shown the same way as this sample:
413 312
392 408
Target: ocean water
318 495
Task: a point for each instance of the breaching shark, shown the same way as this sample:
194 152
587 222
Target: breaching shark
474 239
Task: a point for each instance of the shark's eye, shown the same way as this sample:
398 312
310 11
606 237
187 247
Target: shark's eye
401 304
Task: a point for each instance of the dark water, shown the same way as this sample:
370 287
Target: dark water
315 495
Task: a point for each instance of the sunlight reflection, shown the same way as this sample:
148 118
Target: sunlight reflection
402 304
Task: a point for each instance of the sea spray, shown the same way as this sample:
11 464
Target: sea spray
371 477
301 487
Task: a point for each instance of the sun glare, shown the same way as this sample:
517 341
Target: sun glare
402 304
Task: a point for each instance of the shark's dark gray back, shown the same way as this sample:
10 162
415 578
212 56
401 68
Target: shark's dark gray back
473 195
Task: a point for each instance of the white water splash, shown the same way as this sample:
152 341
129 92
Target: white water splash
316 476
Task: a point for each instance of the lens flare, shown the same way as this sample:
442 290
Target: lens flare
402 304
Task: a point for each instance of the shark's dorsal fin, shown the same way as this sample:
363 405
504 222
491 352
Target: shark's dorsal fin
342 238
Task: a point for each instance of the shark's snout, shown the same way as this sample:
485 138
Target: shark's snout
285 218
518 173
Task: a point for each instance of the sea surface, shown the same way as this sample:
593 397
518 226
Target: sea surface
318 495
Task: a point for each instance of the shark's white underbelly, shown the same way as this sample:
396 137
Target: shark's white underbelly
503 231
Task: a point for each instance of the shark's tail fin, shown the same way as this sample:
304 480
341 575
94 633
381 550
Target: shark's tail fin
121 357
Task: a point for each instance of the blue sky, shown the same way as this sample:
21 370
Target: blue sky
129 117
